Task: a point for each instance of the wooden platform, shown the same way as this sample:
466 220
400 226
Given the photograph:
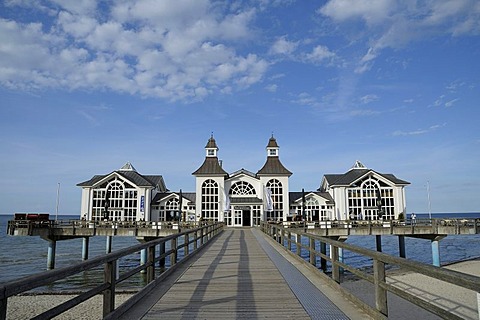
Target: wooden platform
233 279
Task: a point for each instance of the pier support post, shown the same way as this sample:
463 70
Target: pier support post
143 259
436 252
85 248
313 256
52 246
108 246
378 240
298 245
401 247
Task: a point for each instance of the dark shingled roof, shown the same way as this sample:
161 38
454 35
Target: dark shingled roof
210 167
297 195
272 143
351 176
273 166
133 176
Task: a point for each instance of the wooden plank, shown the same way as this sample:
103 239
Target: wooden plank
234 279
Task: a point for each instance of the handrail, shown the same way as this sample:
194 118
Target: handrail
201 234
284 237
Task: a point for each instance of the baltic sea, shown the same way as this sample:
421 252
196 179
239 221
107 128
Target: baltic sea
24 256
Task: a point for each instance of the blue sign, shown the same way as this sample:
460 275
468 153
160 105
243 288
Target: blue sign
142 203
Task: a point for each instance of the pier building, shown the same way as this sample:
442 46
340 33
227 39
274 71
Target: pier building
244 198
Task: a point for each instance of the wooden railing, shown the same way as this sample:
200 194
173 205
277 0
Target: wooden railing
195 238
379 260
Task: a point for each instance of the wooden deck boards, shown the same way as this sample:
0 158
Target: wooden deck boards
233 279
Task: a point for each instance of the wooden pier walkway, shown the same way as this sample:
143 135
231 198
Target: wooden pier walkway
241 276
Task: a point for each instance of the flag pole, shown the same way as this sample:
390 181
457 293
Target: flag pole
58 200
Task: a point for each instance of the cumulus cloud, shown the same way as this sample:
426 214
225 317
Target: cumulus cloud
282 46
174 49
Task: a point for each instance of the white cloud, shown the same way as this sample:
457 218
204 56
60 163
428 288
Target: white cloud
450 103
395 24
368 98
283 47
319 54
175 49
371 11
271 88
418 131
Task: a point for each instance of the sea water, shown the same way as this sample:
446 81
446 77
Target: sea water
24 256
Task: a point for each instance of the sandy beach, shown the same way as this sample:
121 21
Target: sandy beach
458 300
27 306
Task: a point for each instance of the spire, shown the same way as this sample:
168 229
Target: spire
273 166
211 165
211 147
272 147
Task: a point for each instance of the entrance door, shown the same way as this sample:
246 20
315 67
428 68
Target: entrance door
237 219
246 216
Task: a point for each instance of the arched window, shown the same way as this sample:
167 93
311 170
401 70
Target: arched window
312 209
210 200
242 188
371 199
115 200
276 191
171 209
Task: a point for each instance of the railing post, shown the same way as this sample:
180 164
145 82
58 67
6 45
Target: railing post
335 266
173 255
289 241
201 237
109 294
186 249
282 236
323 261
3 306
151 264
161 262
195 239
380 292
313 256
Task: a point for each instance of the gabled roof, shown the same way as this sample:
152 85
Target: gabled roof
353 175
129 173
243 171
190 196
295 196
210 166
273 166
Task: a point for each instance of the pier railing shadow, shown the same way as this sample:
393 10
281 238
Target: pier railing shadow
188 241
291 240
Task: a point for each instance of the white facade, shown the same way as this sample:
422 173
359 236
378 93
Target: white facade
243 198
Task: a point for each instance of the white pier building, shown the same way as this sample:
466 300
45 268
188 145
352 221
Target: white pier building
243 198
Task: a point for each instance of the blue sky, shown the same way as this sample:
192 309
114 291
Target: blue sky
87 86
